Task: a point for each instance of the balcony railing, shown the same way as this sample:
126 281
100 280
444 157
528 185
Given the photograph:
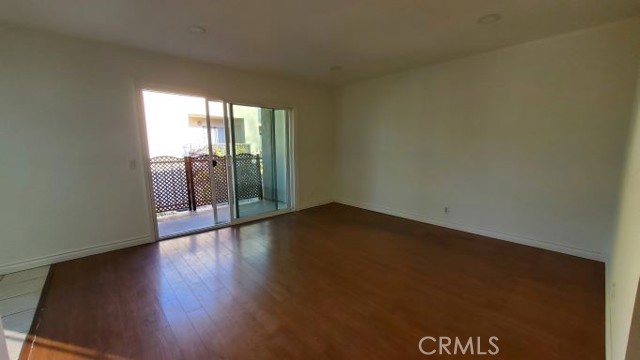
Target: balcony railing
185 184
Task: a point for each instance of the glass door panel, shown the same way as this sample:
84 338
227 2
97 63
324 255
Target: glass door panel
218 150
179 144
260 153
281 158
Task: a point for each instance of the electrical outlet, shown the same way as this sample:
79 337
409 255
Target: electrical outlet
132 165
446 210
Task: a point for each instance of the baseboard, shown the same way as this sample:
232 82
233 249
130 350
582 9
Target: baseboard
72 254
541 244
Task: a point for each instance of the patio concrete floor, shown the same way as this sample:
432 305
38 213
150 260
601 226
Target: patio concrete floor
190 221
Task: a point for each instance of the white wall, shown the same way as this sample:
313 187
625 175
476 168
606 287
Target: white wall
524 144
69 129
624 265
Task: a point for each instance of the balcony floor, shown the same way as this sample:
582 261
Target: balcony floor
190 221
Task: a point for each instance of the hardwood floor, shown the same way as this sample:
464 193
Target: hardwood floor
332 282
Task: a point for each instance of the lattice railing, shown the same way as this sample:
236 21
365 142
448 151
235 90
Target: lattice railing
220 175
185 184
169 183
248 176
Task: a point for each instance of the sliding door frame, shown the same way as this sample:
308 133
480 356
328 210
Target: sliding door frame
140 87
232 172
235 218
212 177
146 163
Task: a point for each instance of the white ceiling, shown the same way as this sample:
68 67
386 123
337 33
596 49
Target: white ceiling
304 38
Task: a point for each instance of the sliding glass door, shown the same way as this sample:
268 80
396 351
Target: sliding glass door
187 162
260 159
213 163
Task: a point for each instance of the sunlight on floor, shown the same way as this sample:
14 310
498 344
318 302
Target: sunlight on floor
73 351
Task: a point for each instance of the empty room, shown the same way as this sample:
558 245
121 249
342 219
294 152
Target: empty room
297 179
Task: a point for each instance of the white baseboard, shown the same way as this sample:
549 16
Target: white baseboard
541 244
72 254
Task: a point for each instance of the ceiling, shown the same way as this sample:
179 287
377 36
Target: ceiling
305 38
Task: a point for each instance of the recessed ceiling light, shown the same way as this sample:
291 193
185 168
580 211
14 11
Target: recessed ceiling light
196 29
489 19
335 68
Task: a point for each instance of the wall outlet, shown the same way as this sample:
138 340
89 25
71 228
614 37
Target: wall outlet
446 210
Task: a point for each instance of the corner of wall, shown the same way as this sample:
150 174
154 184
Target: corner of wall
621 269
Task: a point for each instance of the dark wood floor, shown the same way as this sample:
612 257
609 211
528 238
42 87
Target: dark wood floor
332 282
